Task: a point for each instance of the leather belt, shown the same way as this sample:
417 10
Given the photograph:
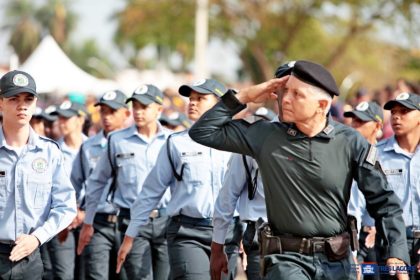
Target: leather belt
413 232
193 221
6 247
105 217
156 213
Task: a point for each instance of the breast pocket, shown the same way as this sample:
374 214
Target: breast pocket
39 191
196 170
127 172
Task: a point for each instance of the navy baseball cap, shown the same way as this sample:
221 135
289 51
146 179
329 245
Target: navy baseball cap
69 109
175 119
265 113
15 82
203 86
41 114
147 94
310 73
115 99
367 111
408 100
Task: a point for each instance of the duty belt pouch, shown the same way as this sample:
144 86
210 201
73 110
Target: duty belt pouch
269 244
352 230
337 247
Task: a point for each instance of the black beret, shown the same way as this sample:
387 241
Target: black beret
310 73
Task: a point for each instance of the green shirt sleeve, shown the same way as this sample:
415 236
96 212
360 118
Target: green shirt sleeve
216 129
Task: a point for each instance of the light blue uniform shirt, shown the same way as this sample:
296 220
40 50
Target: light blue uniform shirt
193 196
133 156
357 208
85 163
402 171
234 193
36 196
69 158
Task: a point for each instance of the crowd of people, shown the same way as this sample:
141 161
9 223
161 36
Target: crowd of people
198 185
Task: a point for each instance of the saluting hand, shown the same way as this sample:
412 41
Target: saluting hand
24 246
218 261
393 263
261 92
124 251
85 236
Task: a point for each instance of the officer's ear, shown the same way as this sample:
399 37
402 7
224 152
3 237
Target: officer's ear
323 104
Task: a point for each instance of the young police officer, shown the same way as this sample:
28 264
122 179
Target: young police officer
37 199
307 163
102 249
62 248
367 119
195 174
130 156
400 160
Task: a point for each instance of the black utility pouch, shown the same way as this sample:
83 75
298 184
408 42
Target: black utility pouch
337 247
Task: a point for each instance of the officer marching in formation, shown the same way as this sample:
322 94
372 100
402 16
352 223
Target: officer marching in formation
37 199
242 187
367 119
194 173
130 155
105 238
307 163
62 248
400 159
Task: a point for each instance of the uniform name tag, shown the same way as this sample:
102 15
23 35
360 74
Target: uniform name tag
372 154
2 173
125 155
191 154
393 171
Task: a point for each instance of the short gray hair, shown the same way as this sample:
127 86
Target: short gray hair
321 94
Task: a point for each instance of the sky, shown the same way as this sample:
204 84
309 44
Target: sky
94 21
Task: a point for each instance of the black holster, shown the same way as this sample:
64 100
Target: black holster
268 244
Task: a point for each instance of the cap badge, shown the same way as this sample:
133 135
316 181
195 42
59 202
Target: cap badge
362 106
141 90
403 96
110 95
199 82
65 105
50 109
291 63
39 165
20 80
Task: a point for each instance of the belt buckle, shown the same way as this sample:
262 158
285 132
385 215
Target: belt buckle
111 219
154 214
305 245
318 245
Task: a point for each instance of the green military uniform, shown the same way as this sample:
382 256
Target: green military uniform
307 181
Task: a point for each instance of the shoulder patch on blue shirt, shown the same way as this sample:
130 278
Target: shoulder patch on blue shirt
372 155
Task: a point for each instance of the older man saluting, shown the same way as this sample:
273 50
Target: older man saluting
307 163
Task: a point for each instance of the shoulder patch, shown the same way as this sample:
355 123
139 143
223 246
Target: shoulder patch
372 155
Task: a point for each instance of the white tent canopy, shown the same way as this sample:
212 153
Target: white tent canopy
54 72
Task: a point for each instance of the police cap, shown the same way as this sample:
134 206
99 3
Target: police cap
408 100
147 94
203 86
115 99
15 82
367 111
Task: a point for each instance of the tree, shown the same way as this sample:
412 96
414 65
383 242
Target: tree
25 30
268 32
